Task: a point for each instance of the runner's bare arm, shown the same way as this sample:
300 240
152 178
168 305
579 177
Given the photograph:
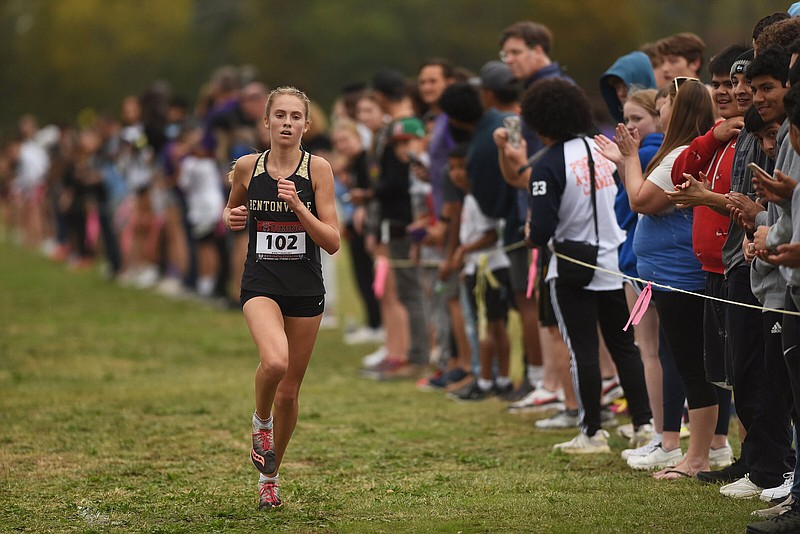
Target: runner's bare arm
235 213
323 229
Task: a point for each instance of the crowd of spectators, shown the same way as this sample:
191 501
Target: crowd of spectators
462 194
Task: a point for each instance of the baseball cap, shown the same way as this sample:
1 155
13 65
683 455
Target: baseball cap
407 128
496 75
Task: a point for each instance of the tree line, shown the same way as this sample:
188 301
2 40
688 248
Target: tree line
64 56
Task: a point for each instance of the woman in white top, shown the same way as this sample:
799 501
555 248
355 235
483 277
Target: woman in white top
663 247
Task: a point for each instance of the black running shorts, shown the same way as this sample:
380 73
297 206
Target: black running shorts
290 306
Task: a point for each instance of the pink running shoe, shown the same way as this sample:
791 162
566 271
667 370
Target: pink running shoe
263 452
268 495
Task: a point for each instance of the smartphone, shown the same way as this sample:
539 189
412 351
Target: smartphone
758 170
514 128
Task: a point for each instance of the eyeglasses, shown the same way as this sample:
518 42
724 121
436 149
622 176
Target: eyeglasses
677 81
506 55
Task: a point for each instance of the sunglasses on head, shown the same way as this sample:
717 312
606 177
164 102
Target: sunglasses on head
677 81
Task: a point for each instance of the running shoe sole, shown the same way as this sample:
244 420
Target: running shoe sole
263 458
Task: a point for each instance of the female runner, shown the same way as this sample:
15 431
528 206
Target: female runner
285 196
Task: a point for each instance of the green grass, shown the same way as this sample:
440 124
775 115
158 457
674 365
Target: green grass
123 411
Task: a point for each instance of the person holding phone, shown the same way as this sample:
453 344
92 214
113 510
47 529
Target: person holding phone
759 375
785 517
284 196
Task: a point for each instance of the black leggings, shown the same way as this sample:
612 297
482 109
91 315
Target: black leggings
363 273
681 317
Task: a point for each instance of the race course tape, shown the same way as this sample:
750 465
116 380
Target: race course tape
398 263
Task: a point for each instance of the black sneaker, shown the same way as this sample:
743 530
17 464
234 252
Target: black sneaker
785 523
453 375
471 392
503 391
733 472
524 388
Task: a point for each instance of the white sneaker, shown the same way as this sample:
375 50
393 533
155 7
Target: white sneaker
562 419
374 358
364 334
127 278
778 509
641 436
780 492
583 444
625 431
644 450
147 277
719 458
611 391
539 399
657 459
170 286
48 247
741 489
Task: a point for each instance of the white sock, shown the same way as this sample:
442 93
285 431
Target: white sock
261 424
205 286
658 437
485 384
534 373
502 381
262 478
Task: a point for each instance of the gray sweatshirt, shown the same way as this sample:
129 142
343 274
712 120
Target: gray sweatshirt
766 282
792 275
788 161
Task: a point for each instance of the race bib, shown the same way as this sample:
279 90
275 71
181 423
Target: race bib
280 240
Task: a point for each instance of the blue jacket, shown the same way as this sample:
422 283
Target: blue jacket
634 69
626 218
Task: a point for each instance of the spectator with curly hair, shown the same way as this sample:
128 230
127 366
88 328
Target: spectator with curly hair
572 192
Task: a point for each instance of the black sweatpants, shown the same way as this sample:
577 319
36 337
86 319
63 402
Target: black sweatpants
579 311
759 403
791 353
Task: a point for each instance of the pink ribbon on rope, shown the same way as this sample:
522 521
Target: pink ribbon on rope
640 307
532 272
381 272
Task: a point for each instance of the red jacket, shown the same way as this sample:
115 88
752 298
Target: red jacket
709 229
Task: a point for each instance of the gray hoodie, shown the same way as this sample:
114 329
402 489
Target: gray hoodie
768 285
766 282
788 161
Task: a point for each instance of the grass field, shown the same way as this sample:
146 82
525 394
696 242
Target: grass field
122 411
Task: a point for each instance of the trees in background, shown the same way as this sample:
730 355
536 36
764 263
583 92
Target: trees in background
61 56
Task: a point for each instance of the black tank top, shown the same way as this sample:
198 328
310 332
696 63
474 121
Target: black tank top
282 259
